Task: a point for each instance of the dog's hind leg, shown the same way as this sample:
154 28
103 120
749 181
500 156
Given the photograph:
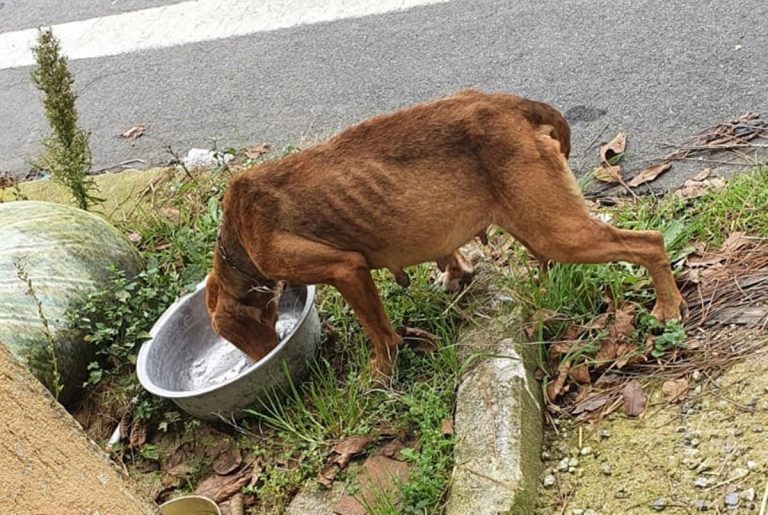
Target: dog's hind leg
456 271
564 232
301 261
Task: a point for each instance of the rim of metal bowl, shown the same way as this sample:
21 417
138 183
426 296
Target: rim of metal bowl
154 389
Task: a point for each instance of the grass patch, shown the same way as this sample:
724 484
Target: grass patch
174 223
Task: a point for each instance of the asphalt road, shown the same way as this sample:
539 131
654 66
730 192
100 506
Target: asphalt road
657 70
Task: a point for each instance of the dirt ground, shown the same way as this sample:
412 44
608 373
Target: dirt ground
706 453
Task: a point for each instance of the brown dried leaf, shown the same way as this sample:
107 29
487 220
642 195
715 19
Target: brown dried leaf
649 174
348 448
608 173
611 152
593 402
328 475
702 175
392 448
580 374
695 189
177 457
634 399
7 180
607 353
138 435
171 214
227 461
221 488
555 387
379 477
607 381
134 132
558 349
257 151
675 390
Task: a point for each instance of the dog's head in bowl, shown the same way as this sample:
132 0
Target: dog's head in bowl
242 305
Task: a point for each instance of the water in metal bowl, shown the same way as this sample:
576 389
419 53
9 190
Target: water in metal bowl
208 377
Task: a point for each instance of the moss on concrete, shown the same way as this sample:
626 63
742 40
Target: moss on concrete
121 191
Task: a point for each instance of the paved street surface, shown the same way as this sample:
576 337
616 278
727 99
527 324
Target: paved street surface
287 72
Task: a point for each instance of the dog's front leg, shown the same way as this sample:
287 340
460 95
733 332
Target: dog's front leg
302 261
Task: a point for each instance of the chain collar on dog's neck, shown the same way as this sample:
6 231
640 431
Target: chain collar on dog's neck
257 284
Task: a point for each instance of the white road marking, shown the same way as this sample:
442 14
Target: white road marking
188 22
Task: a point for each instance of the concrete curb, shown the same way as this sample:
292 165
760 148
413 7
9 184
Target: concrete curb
498 425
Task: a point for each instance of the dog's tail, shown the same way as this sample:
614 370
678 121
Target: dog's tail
550 121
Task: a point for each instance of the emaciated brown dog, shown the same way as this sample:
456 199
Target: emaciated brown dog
401 189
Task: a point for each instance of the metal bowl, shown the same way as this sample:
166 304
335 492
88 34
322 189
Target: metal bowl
208 377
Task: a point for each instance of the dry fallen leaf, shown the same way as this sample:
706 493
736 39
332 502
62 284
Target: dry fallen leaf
134 132
695 189
634 399
221 488
611 152
348 448
257 151
379 477
608 173
675 390
138 435
7 180
593 402
392 449
580 374
555 387
171 214
227 461
446 427
702 175
649 174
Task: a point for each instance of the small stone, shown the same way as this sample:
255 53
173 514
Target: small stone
586 451
590 512
562 465
549 480
681 429
695 442
545 455
696 375
701 505
758 429
574 462
690 452
701 482
605 434
732 499
739 473
751 465
606 470
659 504
571 470
748 495
765 389
738 432
577 512
704 466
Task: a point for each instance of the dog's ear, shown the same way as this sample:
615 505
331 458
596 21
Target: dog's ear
211 293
